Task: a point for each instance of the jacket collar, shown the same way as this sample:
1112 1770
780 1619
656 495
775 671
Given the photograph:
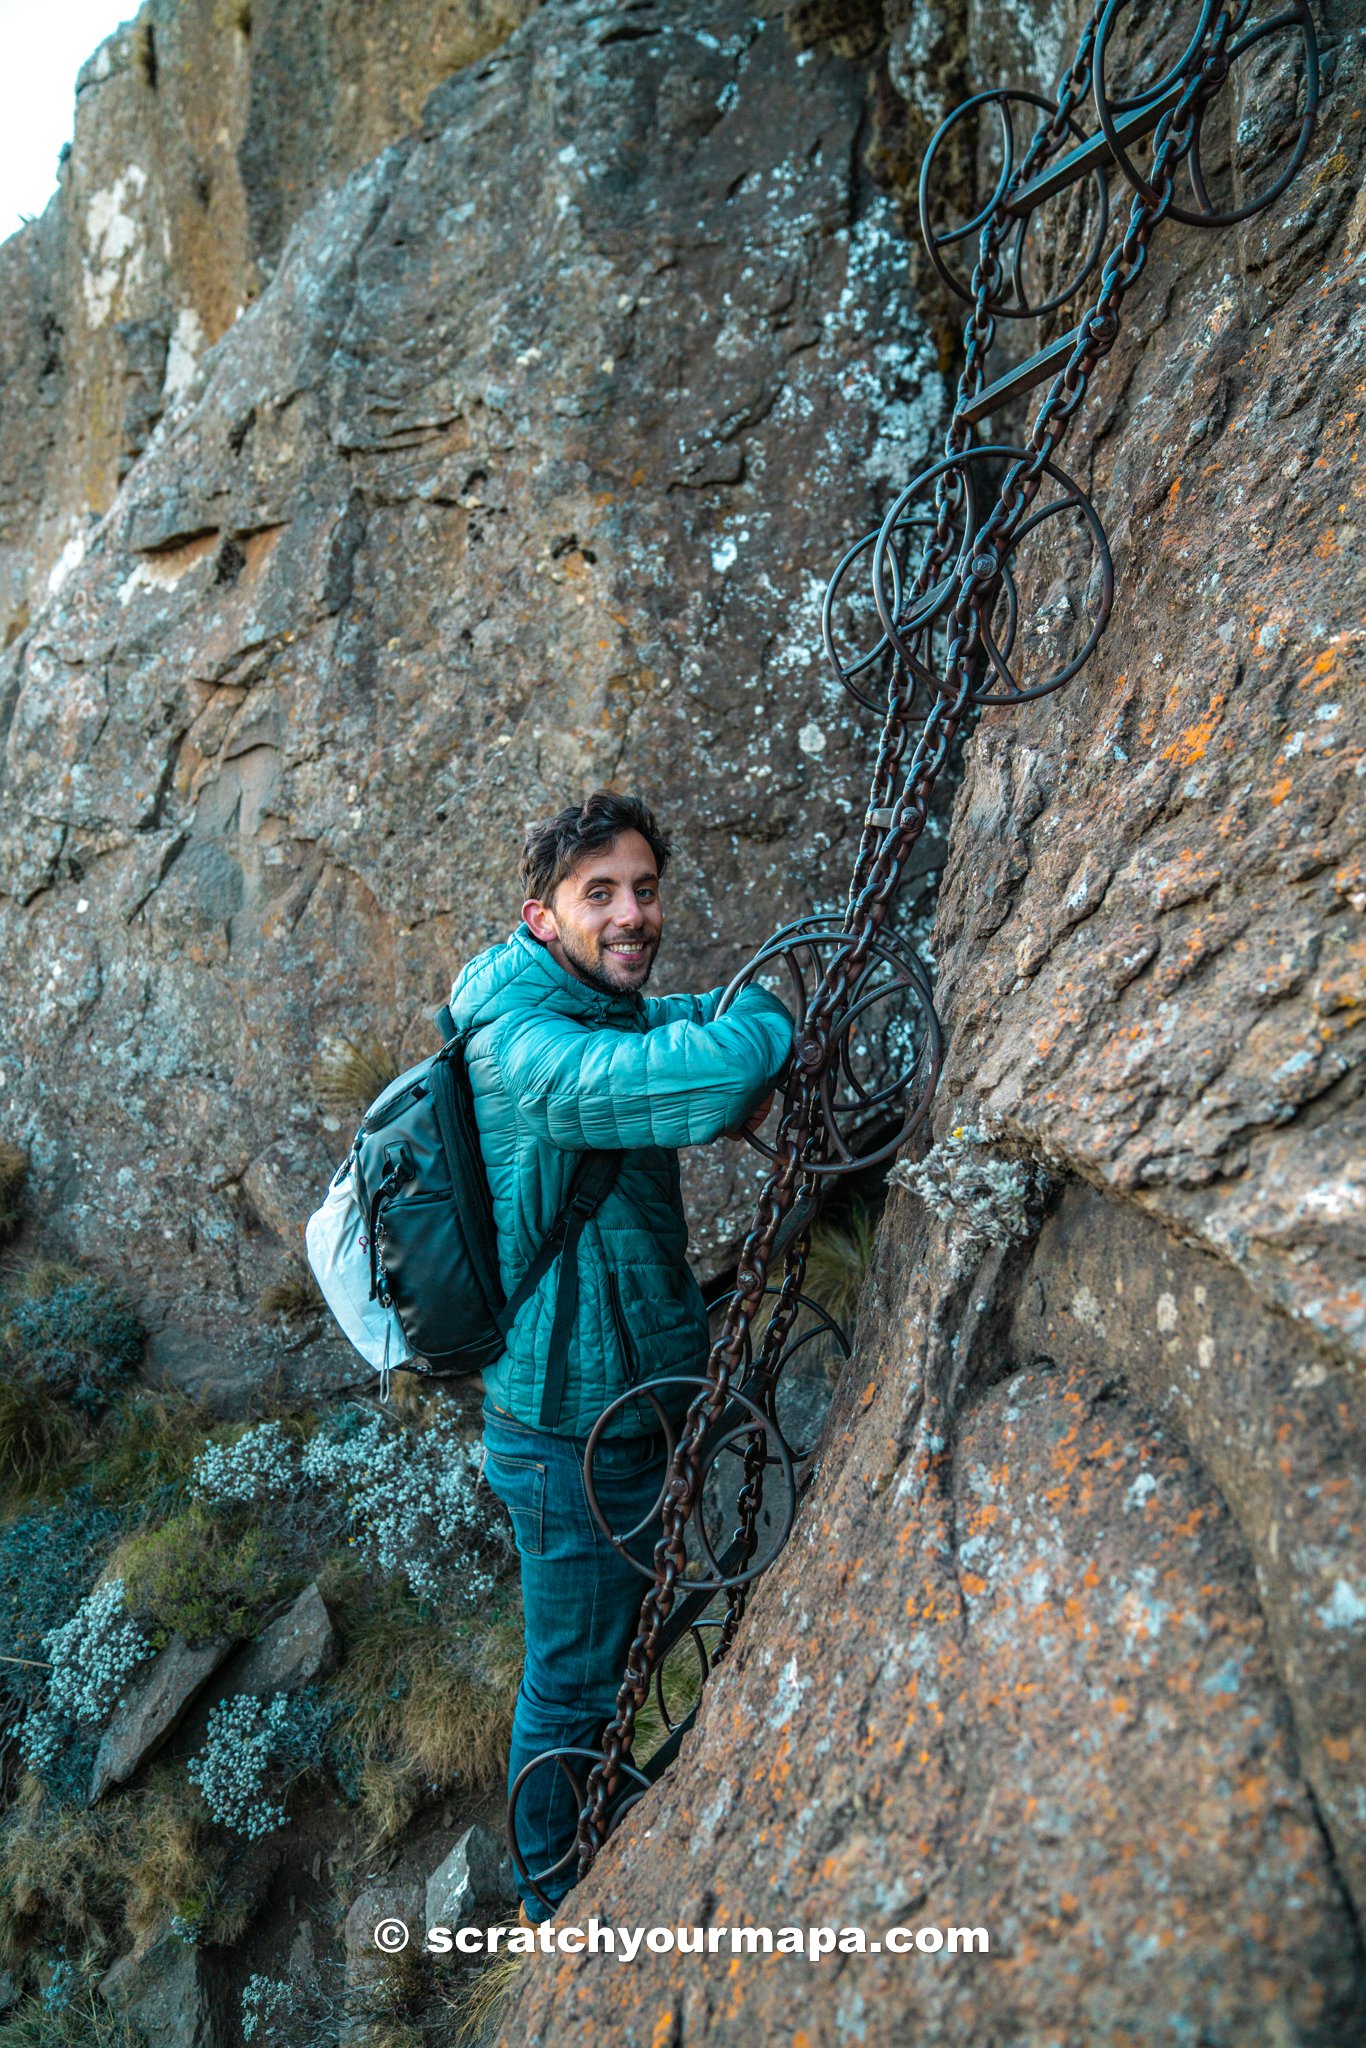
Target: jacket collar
575 996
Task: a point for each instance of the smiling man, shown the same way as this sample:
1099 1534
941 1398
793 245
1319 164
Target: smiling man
567 1058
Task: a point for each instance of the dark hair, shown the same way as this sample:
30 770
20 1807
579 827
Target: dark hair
555 845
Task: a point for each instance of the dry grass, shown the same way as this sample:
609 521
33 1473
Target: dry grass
37 1434
76 1876
387 1797
13 1174
295 1298
477 2005
421 1707
837 1266
169 1868
349 1073
86 2022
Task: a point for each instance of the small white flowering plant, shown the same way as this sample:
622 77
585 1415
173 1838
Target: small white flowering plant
92 1658
254 1750
408 1499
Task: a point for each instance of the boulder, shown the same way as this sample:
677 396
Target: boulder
477 1873
299 1648
372 1966
170 1994
152 1707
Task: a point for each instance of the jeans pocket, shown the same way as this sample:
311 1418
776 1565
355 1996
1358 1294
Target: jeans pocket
520 1485
628 1457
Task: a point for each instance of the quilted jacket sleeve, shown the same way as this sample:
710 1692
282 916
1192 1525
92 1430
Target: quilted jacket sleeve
686 1009
681 1083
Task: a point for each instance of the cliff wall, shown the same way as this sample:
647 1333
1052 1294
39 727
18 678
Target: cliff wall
509 483
522 467
1067 1641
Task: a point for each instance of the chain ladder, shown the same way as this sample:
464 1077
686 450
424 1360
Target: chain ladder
956 580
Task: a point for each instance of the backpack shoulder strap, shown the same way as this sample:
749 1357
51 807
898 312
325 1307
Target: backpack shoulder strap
592 1183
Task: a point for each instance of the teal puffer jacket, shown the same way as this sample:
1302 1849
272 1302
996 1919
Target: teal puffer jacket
557 1067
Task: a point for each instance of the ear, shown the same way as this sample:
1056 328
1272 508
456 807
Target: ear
539 921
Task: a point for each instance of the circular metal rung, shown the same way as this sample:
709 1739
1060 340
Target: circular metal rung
998 582
693 1635
1295 18
824 1326
887 955
639 1784
1017 167
751 1422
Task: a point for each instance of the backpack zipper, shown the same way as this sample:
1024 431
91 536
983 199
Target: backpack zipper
414 1092
393 1180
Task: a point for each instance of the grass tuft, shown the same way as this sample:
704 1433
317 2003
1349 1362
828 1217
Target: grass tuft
837 1265
477 2005
422 1707
37 1434
348 1074
295 1298
78 1877
147 1443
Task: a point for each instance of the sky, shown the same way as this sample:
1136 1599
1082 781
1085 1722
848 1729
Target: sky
41 50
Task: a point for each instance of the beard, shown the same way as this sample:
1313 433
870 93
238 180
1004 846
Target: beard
591 960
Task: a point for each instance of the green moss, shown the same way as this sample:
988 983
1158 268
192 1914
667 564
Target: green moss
200 1575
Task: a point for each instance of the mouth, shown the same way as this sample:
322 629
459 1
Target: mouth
627 950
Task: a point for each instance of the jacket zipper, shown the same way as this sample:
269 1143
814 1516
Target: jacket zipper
628 1361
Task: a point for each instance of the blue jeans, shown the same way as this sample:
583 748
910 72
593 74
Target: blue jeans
581 1604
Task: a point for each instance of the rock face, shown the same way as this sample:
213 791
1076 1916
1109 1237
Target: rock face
509 484
203 131
171 1995
1069 1640
525 471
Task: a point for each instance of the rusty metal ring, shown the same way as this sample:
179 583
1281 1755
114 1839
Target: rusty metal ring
829 943
1074 499
1001 97
987 557
615 1812
767 1395
694 1634
751 1422
1297 17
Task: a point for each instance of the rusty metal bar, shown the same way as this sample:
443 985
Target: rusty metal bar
1025 377
1091 156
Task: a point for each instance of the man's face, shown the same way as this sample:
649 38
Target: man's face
605 920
